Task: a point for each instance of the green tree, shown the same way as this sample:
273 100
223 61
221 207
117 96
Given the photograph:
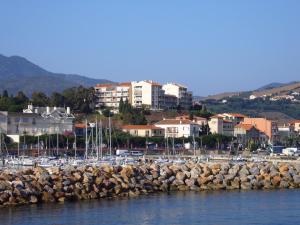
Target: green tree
40 99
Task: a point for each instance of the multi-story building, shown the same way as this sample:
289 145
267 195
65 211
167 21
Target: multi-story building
36 121
179 128
184 97
266 126
170 102
110 95
147 94
144 130
218 125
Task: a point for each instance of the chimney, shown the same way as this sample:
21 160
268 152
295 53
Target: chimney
68 110
54 108
36 111
30 106
180 121
48 110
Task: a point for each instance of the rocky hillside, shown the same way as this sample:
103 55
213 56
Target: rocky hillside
19 74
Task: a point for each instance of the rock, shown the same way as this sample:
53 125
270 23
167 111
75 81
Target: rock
296 179
254 171
195 172
276 180
180 176
244 171
283 168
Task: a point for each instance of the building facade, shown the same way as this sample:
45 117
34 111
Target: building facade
147 94
263 125
110 95
184 97
36 121
246 133
218 125
179 128
144 130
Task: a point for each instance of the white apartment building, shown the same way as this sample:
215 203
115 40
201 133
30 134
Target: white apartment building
148 94
179 128
184 98
110 95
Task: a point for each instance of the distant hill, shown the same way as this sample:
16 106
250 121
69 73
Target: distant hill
19 74
274 85
269 89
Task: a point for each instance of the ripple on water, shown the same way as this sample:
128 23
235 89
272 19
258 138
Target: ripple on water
216 207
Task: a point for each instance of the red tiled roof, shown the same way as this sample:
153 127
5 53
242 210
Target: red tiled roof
141 127
244 126
295 121
125 84
80 125
237 115
114 84
174 122
104 85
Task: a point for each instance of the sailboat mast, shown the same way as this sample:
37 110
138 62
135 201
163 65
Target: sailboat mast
100 138
86 139
109 122
97 146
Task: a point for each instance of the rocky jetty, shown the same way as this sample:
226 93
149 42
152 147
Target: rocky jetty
38 185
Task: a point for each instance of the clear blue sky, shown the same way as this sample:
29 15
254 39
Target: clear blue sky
211 46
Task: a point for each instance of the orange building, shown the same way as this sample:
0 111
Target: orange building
266 126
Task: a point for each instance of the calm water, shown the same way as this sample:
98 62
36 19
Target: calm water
251 207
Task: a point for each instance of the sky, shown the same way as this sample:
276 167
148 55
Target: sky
210 46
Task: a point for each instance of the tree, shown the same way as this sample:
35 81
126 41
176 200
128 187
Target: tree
21 98
40 99
57 99
5 94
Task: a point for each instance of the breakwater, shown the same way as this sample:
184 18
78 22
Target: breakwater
37 185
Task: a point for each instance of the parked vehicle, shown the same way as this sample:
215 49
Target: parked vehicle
136 153
290 151
122 152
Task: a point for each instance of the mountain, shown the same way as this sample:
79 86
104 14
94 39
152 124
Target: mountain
19 74
269 89
274 85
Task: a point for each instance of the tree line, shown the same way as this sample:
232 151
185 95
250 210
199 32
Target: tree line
80 99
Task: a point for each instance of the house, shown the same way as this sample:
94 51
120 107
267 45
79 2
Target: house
296 125
215 124
236 118
144 130
36 121
264 125
286 130
218 125
246 133
197 119
179 128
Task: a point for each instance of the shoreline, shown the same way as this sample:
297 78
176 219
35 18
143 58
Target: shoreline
39 185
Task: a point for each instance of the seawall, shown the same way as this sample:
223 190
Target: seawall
39 185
